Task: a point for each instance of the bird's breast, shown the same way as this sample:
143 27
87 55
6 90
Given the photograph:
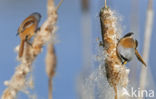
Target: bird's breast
127 53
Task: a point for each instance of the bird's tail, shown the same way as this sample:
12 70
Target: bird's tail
139 57
21 48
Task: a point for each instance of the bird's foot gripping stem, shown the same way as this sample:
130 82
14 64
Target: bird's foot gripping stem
124 63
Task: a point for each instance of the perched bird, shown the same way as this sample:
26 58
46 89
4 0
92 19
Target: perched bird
127 48
27 29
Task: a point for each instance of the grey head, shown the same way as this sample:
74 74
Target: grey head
36 15
129 34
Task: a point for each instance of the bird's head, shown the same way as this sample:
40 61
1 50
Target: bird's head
130 34
36 15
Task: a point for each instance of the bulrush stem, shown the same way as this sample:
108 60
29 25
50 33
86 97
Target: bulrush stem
116 72
146 47
105 3
50 66
50 88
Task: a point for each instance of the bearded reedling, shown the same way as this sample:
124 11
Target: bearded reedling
27 29
127 48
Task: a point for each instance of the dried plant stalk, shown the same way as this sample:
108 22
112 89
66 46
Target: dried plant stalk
85 5
18 80
86 35
117 74
50 66
134 26
146 48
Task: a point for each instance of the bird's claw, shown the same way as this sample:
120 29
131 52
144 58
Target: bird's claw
124 63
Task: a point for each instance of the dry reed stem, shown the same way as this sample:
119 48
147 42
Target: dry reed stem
85 5
86 35
83 91
50 88
117 74
105 3
146 48
50 61
134 26
18 80
50 66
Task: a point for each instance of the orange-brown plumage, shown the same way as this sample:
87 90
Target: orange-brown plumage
128 42
21 48
139 57
27 29
127 47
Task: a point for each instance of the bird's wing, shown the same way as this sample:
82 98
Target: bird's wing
28 24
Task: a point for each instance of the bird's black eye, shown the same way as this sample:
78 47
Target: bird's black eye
129 34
